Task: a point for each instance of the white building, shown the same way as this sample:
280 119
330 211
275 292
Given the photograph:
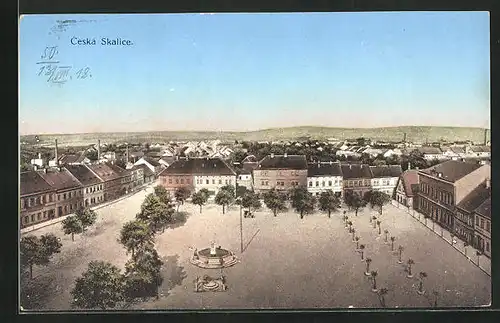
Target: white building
431 153
324 176
385 178
38 161
212 174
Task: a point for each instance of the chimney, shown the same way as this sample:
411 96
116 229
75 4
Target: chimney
488 183
126 155
404 137
57 157
98 150
409 165
440 175
39 156
286 155
45 170
485 136
272 155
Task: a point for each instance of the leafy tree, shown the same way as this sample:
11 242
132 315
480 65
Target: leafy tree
379 199
362 250
162 194
135 234
205 193
275 200
229 189
100 286
329 202
199 198
368 262
181 195
224 198
86 216
392 243
367 197
241 190
72 225
354 201
237 156
91 154
38 251
142 273
250 200
400 249
154 212
302 201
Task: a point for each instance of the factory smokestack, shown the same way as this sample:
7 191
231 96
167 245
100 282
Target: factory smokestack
485 136
126 155
57 156
404 137
98 150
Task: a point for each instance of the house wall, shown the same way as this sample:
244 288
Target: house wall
213 183
112 189
385 184
172 182
93 194
482 234
464 225
68 201
437 199
357 185
36 208
318 184
288 178
245 180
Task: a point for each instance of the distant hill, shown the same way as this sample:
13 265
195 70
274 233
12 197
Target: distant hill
413 133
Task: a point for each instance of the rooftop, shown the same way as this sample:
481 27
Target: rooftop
153 162
283 162
324 169
145 169
350 171
451 170
475 198
410 178
485 208
199 166
31 183
60 179
83 174
386 171
430 150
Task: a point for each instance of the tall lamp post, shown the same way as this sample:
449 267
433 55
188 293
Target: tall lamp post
241 223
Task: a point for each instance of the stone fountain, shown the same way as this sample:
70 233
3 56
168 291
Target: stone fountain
213 258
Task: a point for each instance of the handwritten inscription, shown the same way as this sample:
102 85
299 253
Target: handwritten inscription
57 73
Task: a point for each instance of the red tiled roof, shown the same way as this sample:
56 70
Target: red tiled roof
32 183
60 180
451 170
409 178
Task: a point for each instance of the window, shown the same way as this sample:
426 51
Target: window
44 214
487 246
50 198
488 226
64 196
230 181
317 183
170 181
262 183
22 203
267 183
482 224
58 197
43 199
32 218
329 183
182 180
310 184
208 182
26 219
177 181
323 183
220 181
39 216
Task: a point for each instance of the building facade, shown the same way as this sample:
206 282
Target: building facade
385 178
322 177
407 188
113 181
69 193
37 199
482 227
444 186
92 185
282 172
356 178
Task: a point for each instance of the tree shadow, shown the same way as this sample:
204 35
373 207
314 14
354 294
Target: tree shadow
173 275
34 293
179 219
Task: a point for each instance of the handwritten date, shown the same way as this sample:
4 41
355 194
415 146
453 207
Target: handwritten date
55 72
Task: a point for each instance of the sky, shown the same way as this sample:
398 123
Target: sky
241 72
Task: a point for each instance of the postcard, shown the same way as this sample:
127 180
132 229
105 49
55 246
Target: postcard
254 161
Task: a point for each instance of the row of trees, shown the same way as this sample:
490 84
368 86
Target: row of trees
103 285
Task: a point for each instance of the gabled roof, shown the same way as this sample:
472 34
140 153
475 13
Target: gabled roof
458 150
350 171
136 154
475 198
83 174
153 162
324 169
60 180
118 170
250 159
145 169
430 150
168 159
282 162
480 149
105 172
73 158
386 171
485 208
451 170
410 179
199 166
32 183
